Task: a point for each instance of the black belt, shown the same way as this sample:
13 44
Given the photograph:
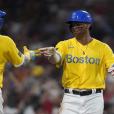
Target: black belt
83 93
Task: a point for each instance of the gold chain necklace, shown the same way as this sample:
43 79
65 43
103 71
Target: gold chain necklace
80 47
84 51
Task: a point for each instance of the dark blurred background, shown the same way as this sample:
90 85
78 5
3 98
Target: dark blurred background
36 88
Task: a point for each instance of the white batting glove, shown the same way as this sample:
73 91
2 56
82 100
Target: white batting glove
111 70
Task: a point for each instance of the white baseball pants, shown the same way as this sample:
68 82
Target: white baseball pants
76 104
1 102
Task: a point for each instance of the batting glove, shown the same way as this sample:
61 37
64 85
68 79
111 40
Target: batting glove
28 54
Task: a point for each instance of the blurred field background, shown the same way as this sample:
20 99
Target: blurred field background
36 87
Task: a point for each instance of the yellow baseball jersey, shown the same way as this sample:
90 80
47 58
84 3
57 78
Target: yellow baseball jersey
8 53
84 66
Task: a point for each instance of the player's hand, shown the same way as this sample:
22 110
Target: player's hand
31 54
26 52
47 51
37 52
51 54
111 70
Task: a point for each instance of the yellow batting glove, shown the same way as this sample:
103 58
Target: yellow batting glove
29 54
26 53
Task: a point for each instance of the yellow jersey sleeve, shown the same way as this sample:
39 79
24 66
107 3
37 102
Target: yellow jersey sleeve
14 56
108 56
61 49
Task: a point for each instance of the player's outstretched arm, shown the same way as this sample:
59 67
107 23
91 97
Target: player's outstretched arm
51 54
18 58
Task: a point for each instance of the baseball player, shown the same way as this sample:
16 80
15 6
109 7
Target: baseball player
85 61
10 53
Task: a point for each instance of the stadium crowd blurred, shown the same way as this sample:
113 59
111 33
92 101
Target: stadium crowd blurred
36 87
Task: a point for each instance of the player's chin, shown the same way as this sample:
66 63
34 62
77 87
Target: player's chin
76 33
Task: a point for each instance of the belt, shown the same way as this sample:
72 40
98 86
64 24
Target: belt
83 93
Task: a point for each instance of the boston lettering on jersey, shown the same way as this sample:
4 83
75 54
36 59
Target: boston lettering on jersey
86 59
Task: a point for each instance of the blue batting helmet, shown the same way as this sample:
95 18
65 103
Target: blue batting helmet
81 16
2 15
